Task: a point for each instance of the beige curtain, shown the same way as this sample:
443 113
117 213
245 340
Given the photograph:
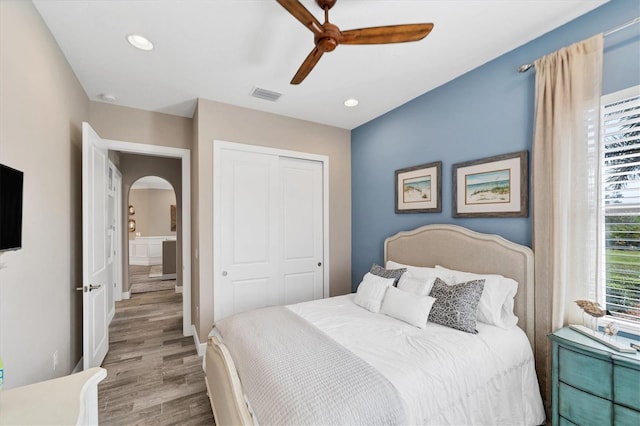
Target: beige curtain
565 156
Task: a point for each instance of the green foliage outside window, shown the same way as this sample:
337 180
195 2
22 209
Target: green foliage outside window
623 265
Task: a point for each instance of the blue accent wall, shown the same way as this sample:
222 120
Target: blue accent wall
487 111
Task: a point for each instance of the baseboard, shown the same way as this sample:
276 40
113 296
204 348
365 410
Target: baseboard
126 295
148 262
78 368
200 347
178 289
167 277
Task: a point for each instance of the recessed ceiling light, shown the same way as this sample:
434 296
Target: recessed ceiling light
140 42
108 97
351 102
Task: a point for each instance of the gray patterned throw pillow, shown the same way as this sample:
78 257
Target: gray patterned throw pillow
456 305
388 273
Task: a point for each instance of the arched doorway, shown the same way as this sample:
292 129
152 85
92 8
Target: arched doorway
152 230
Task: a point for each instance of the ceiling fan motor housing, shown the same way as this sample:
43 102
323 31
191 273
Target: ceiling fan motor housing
329 39
326 3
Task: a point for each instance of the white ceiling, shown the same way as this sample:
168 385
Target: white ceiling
222 49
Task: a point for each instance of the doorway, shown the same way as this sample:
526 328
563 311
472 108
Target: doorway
182 190
152 228
101 162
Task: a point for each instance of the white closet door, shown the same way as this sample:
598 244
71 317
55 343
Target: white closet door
301 224
270 231
249 249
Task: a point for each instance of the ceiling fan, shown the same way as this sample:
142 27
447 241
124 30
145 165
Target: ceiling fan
328 36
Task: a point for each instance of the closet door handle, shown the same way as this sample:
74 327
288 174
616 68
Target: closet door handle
224 273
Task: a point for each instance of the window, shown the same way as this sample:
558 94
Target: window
620 208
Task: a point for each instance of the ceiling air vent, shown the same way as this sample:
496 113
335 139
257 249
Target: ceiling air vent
265 94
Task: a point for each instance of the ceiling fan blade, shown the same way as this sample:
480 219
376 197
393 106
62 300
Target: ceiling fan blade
388 34
295 8
307 66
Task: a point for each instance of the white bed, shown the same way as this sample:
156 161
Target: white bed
441 375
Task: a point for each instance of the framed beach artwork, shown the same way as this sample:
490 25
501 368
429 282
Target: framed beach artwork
492 187
419 189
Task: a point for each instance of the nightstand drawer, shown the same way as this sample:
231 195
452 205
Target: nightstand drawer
626 416
583 408
584 372
627 388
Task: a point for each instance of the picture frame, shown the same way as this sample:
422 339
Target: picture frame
495 186
172 217
419 188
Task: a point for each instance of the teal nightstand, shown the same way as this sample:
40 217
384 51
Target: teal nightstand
593 384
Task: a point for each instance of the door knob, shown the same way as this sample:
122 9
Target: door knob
89 288
224 273
319 263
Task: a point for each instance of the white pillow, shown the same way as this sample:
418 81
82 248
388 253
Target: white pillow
496 303
418 286
421 272
407 307
371 291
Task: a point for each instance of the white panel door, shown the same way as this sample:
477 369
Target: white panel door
95 250
111 238
247 276
269 227
301 224
117 242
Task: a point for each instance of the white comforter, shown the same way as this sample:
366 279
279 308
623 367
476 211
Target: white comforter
444 376
300 376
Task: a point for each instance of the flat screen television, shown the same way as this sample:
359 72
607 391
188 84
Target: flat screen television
10 208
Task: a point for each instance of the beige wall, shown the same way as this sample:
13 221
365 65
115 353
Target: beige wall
218 121
152 214
42 107
195 227
135 125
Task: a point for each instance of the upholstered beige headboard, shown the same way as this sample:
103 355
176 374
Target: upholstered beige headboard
459 248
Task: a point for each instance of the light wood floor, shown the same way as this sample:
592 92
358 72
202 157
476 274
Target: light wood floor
141 282
154 375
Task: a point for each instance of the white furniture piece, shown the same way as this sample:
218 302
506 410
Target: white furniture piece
147 250
447 245
68 400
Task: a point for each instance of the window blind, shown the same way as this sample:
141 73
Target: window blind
620 195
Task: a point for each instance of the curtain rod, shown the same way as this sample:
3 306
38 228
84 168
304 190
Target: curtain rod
527 67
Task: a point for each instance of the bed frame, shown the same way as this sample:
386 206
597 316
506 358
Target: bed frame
451 246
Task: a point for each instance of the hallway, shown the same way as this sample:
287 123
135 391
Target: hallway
154 375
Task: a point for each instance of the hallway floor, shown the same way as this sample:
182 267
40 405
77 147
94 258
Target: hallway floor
154 375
